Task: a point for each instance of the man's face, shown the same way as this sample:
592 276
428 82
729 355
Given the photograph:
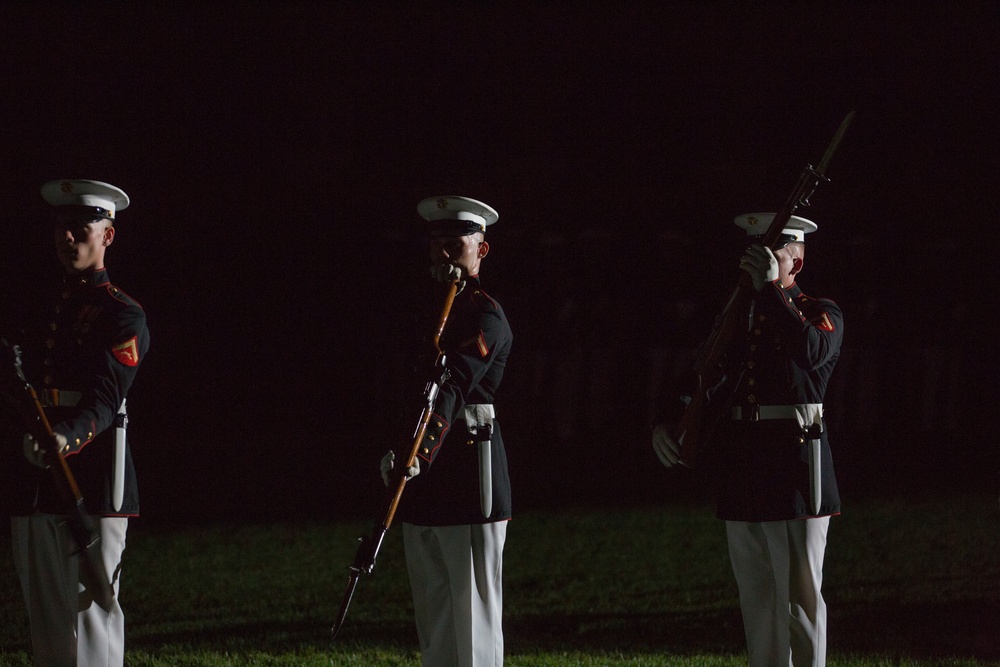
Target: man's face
465 252
789 263
81 242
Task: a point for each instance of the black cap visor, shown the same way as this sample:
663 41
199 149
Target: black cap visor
448 228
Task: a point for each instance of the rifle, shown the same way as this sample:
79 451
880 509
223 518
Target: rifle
710 365
22 395
364 557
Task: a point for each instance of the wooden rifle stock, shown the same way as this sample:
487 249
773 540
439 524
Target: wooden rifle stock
368 548
710 367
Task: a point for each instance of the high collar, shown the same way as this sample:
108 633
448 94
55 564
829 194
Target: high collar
86 280
794 290
472 285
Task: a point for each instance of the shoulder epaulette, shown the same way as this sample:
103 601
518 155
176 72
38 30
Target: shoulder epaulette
119 295
479 295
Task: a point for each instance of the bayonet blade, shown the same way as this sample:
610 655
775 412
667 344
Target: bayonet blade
352 583
841 131
93 576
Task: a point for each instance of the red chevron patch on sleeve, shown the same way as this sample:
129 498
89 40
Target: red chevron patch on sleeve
479 342
823 322
127 352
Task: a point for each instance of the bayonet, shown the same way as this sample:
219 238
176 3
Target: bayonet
841 131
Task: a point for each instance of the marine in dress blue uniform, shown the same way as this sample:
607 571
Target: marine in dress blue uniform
457 504
82 348
777 487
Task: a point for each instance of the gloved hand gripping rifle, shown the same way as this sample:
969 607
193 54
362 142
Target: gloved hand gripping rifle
364 557
22 396
712 361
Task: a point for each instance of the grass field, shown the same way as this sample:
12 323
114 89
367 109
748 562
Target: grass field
908 582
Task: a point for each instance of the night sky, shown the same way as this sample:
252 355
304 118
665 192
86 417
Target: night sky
275 153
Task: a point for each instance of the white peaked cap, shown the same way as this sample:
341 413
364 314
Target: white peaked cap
75 192
475 213
757 224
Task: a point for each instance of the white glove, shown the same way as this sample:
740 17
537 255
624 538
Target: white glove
445 273
389 461
35 453
761 264
667 449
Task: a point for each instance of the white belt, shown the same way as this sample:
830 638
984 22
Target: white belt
805 413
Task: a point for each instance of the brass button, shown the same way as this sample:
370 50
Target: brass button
761 317
756 331
50 343
751 382
48 379
53 326
751 363
425 451
440 424
751 399
78 441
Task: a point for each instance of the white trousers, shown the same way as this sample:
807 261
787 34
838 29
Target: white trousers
779 571
67 628
456 577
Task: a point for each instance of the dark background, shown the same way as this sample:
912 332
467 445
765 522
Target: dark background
275 153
